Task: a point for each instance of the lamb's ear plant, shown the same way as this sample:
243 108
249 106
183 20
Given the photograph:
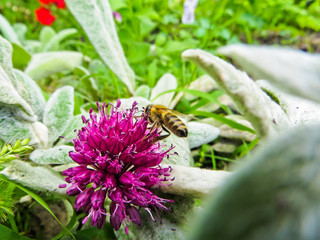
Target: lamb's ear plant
25 114
265 107
103 36
278 180
290 70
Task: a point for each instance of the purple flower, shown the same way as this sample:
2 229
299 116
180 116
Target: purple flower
117 16
189 8
118 158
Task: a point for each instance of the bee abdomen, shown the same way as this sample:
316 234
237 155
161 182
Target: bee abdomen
175 125
182 131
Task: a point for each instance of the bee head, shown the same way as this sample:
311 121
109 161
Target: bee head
148 109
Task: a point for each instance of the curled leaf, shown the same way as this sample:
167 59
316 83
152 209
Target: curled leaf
292 70
265 115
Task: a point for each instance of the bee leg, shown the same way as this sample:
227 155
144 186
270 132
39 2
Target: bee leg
162 136
151 129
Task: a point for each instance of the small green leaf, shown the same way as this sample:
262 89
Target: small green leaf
146 25
138 51
17 144
118 4
25 141
161 39
211 98
55 155
23 149
20 57
8 158
58 112
4 149
178 46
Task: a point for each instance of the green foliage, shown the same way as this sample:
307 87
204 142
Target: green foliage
9 234
6 202
9 152
17 150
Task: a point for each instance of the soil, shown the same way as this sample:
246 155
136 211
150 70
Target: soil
42 223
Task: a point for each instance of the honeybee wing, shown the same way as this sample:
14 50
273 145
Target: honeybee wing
161 108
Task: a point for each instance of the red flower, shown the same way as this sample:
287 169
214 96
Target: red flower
60 3
44 16
45 1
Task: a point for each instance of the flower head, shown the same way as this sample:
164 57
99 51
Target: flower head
44 16
117 16
189 8
117 159
58 3
43 13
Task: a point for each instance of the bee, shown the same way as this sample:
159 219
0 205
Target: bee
159 115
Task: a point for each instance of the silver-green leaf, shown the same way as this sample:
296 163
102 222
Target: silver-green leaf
142 91
201 133
45 64
97 21
31 92
7 31
70 132
165 83
36 177
53 43
9 94
46 34
292 70
265 115
12 129
59 112
274 195
55 155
